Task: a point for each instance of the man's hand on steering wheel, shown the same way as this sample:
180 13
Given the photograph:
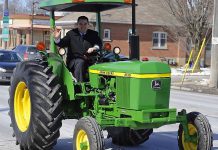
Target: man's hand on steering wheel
92 55
91 50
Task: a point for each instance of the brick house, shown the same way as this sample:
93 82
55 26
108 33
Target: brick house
151 17
20 27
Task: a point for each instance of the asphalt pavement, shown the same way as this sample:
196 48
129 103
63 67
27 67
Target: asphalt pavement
163 138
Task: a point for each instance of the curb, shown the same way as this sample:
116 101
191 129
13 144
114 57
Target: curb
181 88
197 90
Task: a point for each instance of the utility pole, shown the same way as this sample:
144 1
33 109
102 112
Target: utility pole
33 7
134 53
5 29
214 51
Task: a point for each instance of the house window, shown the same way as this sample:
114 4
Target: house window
107 35
160 40
47 39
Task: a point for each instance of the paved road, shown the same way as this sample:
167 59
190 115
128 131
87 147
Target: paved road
164 138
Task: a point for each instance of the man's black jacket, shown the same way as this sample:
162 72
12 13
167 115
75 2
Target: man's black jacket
78 45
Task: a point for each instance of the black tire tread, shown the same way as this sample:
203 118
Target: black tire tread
93 131
205 140
46 101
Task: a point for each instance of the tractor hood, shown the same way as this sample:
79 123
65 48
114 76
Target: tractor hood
130 67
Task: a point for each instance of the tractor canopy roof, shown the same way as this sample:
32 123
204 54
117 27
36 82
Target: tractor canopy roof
83 5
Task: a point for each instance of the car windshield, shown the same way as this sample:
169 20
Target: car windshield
9 57
32 49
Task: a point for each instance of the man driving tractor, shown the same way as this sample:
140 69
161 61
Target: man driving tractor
81 42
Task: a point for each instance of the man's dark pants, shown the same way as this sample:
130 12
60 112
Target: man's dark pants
78 67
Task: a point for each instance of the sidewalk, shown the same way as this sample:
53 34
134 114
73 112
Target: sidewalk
191 85
193 82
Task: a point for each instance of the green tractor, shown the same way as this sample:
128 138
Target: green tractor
127 98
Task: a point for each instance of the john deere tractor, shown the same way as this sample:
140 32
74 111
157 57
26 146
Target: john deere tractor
128 98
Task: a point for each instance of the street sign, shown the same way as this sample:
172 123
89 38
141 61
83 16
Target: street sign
5 34
10 22
5 19
5 37
5 26
5 31
6 12
5 22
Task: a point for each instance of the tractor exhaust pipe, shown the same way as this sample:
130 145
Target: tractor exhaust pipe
134 39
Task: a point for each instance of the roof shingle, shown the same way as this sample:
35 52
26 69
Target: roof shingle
148 12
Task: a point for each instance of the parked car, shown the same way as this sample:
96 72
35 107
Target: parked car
27 52
145 59
109 55
8 61
112 57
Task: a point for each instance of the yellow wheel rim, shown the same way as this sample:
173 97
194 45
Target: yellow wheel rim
186 144
82 141
22 106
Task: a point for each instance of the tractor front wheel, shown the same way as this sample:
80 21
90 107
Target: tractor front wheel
199 127
88 135
35 106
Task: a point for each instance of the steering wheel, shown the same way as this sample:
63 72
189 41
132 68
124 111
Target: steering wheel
94 57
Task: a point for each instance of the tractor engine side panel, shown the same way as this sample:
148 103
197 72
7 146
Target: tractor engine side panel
138 94
138 85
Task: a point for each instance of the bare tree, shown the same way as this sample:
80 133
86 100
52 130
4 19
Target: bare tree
34 3
194 17
16 7
23 7
176 33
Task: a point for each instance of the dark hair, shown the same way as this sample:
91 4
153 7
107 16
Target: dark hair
82 18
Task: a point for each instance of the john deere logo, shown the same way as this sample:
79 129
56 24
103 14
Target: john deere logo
156 84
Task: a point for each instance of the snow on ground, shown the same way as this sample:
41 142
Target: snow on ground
181 71
198 78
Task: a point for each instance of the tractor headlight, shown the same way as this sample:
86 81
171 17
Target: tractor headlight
2 70
62 51
117 50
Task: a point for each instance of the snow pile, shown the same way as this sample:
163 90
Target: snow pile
204 82
181 71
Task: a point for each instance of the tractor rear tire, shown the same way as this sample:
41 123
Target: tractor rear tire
88 135
124 136
198 125
35 106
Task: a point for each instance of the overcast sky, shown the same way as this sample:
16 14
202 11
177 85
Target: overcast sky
2 1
